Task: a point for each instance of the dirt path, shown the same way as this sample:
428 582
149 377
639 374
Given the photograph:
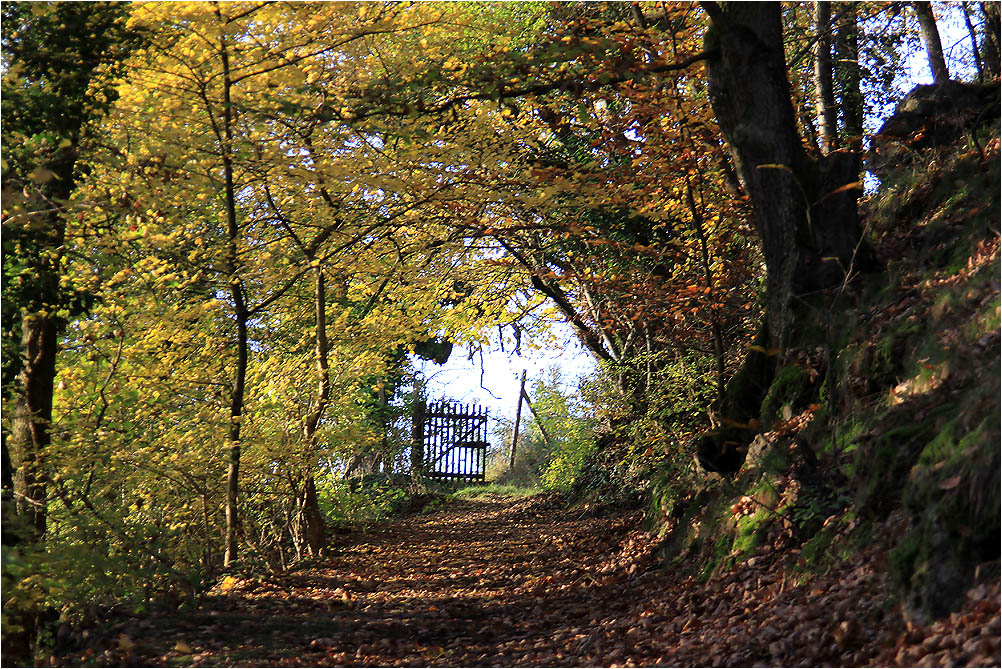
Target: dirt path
503 582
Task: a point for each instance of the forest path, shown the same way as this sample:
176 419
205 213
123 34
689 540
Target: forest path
525 582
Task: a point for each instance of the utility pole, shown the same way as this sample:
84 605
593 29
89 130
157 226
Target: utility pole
518 419
418 411
528 403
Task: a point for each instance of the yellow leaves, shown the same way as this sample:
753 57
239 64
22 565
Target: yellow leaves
774 166
40 175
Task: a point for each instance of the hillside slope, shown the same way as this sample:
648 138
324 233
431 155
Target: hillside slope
883 416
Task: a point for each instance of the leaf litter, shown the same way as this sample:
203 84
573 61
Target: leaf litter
527 582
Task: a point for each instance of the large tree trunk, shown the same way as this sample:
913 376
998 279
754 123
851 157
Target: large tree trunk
824 85
933 46
750 94
806 215
40 331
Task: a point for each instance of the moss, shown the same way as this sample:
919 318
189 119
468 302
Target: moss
788 388
941 447
719 560
745 390
816 554
886 462
890 351
750 532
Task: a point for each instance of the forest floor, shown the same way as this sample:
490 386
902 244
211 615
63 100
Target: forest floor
501 581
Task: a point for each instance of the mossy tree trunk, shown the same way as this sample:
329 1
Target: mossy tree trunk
805 210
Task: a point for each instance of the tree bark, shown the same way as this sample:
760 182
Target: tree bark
40 331
991 42
241 315
312 518
750 94
824 85
849 78
805 210
933 45
32 417
805 213
975 49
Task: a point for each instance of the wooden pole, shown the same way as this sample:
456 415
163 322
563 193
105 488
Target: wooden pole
417 435
546 437
518 419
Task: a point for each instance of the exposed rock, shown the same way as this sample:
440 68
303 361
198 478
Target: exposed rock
931 115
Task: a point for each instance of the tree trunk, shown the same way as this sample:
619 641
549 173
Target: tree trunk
824 86
750 94
32 418
933 46
975 49
806 214
849 77
991 41
704 257
241 315
312 518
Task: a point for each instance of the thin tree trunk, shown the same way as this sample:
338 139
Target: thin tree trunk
715 331
990 44
241 316
547 440
975 49
933 45
824 86
849 77
312 518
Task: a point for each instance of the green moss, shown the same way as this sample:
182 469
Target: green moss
941 447
788 388
750 532
816 554
719 560
890 350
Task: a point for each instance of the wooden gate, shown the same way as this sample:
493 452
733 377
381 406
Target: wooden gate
454 439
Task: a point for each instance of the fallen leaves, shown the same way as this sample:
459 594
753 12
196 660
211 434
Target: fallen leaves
524 583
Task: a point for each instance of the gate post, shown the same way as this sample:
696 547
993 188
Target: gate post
417 437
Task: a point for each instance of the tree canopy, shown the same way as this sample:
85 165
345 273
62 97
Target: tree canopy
229 227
